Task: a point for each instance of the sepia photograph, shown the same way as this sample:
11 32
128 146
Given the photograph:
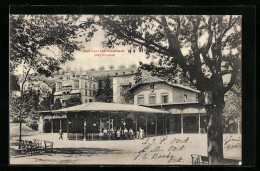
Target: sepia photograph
125 89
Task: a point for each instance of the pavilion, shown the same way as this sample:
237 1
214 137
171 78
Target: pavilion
88 120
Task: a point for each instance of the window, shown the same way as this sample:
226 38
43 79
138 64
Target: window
185 97
59 85
86 84
152 99
91 93
90 100
86 92
90 85
164 98
197 97
76 84
94 86
140 100
86 100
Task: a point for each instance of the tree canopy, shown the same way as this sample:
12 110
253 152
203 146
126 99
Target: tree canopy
205 49
73 101
105 90
32 35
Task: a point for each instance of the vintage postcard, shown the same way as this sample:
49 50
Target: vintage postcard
125 89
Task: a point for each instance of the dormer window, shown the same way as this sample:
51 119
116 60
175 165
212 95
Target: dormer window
76 84
152 99
116 73
140 99
165 98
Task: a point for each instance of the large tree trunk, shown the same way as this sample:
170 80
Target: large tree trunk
215 129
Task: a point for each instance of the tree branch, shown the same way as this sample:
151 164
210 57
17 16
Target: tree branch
232 81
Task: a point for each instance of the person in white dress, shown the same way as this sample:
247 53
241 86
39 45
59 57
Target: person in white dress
141 133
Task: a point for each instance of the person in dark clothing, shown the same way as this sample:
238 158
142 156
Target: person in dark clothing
61 133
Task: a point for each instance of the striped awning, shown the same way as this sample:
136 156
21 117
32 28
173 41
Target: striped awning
57 94
66 84
75 92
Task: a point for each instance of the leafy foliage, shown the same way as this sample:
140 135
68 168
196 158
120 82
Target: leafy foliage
30 34
133 66
121 66
138 76
111 67
46 102
232 111
57 104
203 48
27 103
30 37
73 101
14 85
101 68
127 97
105 91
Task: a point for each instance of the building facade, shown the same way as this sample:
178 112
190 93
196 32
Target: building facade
75 83
187 114
36 86
121 83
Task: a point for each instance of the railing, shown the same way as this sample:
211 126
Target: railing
99 136
75 136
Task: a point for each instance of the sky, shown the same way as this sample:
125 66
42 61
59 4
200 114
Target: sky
88 60
85 59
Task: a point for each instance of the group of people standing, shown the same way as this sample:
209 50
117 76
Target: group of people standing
123 134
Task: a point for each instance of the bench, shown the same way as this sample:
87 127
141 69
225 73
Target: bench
39 145
30 146
21 147
48 146
199 159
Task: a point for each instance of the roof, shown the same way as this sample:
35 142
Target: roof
101 106
151 79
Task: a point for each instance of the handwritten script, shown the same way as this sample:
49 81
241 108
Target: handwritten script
164 148
231 142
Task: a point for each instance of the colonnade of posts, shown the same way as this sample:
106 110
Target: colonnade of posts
111 124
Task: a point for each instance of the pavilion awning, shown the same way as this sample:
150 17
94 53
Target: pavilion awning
111 107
